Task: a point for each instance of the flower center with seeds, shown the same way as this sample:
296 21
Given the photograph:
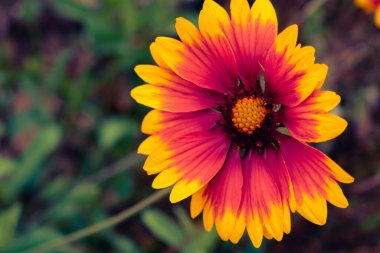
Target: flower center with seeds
248 114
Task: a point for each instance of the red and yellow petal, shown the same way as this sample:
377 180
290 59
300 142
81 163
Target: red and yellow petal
264 12
170 125
189 151
213 21
377 17
311 121
256 26
166 126
181 162
204 57
262 201
366 5
370 6
290 72
163 83
223 195
240 10
313 176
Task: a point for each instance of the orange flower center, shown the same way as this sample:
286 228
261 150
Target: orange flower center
248 114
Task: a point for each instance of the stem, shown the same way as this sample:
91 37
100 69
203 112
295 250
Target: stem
59 242
309 10
313 7
120 166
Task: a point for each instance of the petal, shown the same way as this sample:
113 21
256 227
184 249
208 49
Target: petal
184 96
318 102
377 17
319 72
197 203
286 41
214 21
183 161
206 62
149 145
154 50
255 230
208 217
335 194
253 33
290 73
168 127
238 230
170 51
239 12
313 179
262 201
224 194
365 4
310 120
313 208
264 12
277 168
187 31
171 125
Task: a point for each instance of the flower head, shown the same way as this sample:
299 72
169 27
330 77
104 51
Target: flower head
222 95
371 6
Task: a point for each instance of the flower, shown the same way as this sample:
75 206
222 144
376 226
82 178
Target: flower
222 97
371 6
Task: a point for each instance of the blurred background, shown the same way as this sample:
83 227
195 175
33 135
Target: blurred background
69 129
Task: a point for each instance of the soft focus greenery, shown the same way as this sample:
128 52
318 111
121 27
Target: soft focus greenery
69 129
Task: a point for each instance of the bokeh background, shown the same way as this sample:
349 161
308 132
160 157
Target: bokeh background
69 129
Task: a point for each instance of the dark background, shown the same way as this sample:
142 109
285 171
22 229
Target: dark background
69 129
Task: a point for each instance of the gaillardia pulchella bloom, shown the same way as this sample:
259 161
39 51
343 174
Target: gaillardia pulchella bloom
371 6
222 96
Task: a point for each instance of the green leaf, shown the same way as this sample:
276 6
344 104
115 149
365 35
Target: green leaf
30 9
314 24
57 74
35 237
75 10
75 203
123 186
7 167
203 242
124 244
56 189
187 224
83 193
37 151
8 223
163 227
114 129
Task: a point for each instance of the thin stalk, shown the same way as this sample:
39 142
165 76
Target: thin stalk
108 223
118 167
312 8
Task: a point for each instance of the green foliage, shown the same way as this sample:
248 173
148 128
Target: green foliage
66 114
186 237
30 162
8 222
66 118
114 129
163 227
124 244
75 203
7 167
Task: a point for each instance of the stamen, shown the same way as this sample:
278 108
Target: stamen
248 114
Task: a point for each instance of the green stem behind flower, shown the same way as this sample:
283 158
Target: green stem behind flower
59 242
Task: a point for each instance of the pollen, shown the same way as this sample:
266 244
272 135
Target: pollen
248 114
